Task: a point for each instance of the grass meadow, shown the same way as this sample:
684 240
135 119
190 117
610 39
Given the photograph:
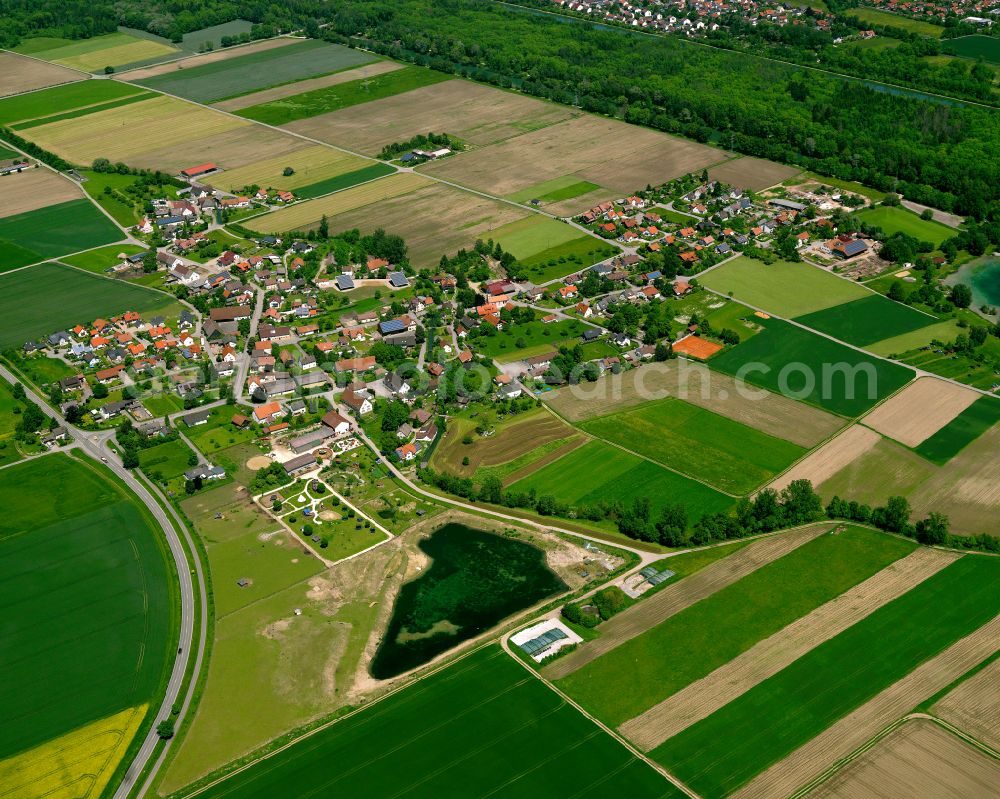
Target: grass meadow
875 17
797 363
88 598
961 431
868 320
97 52
527 740
974 47
599 472
103 258
728 455
342 95
724 751
55 230
537 337
902 220
60 99
715 630
49 297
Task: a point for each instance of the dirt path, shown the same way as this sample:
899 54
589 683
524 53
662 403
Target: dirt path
673 599
852 731
702 698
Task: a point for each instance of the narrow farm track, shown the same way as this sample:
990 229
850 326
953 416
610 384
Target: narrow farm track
852 731
702 698
673 599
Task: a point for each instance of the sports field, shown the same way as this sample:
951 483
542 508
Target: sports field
710 633
802 365
53 231
599 472
61 99
342 95
726 750
527 740
974 47
241 74
48 297
89 624
902 220
868 320
728 455
961 431
310 165
784 288
98 52
20 74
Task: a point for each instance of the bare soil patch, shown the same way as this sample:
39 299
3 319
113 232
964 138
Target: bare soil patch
673 599
695 383
702 698
206 58
290 89
833 456
844 737
36 188
919 758
21 74
476 114
752 173
920 410
974 706
258 462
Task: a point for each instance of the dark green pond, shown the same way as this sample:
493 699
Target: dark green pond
475 580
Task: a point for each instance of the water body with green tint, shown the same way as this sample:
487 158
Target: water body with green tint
475 580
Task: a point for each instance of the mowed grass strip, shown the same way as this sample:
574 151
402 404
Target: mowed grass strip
729 455
867 320
805 366
699 639
50 297
784 288
242 74
56 230
342 95
533 234
60 99
599 472
302 215
961 431
719 754
482 724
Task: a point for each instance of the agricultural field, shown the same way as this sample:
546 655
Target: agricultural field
53 231
755 174
945 443
784 288
760 729
970 706
708 634
532 238
36 188
875 17
869 320
61 99
974 47
580 148
894 346
920 410
154 70
45 298
918 759
311 165
728 455
599 472
902 220
342 95
98 52
839 452
243 73
772 414
90 601
952 366
19 74
476 114
556 190
802 365
521 728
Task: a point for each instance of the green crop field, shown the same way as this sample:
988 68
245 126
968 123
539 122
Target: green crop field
53 231
868 320
243 74
552 191
570 256
947 330
342 95
974 47
901 220
728 455
873 16
49 297
961 431
792 361
712 632
59 99
527 741
724 751
78 113
532 235
344 181
98 52
599 472
167 460
88 596
784 288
